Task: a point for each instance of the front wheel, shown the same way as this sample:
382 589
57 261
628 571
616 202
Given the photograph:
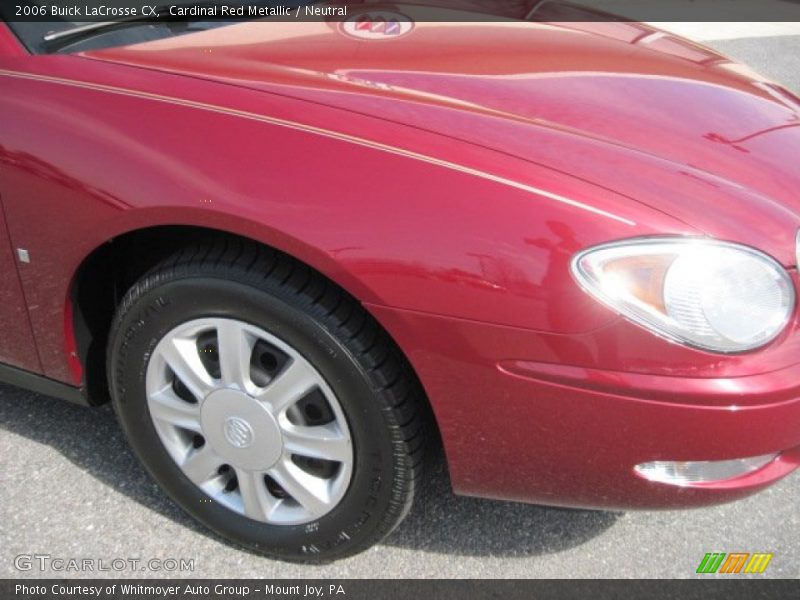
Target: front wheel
266 402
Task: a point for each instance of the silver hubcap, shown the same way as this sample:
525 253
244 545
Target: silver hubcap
250 421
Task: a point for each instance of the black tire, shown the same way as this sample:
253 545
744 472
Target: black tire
379 393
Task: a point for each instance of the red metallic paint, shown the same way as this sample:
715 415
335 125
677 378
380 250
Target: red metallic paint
445 180
9 44
566 435
17 348
664 122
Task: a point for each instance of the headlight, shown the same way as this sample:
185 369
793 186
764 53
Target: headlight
700 292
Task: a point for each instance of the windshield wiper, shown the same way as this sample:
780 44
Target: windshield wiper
65 36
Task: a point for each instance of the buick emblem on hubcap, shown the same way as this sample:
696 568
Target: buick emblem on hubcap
238 432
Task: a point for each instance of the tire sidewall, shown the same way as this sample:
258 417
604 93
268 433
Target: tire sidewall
155 312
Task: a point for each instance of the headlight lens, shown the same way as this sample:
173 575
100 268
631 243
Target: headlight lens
712 295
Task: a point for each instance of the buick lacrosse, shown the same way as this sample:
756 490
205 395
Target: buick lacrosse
299 258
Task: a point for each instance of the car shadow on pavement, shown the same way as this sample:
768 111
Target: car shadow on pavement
444 523
440 522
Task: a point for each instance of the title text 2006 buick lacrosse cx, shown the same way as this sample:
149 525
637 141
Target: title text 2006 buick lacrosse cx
293 255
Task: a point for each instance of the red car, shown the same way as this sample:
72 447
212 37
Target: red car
296 255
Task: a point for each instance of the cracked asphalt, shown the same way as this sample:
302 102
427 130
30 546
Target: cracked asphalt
69 487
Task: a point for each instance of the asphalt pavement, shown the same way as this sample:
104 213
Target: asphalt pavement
70 488
775 57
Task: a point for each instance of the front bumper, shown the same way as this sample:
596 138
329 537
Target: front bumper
542 432
610 433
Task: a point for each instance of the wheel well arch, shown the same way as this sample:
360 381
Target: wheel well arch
100 282
107 273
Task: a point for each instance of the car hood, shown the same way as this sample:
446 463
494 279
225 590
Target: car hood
651 116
